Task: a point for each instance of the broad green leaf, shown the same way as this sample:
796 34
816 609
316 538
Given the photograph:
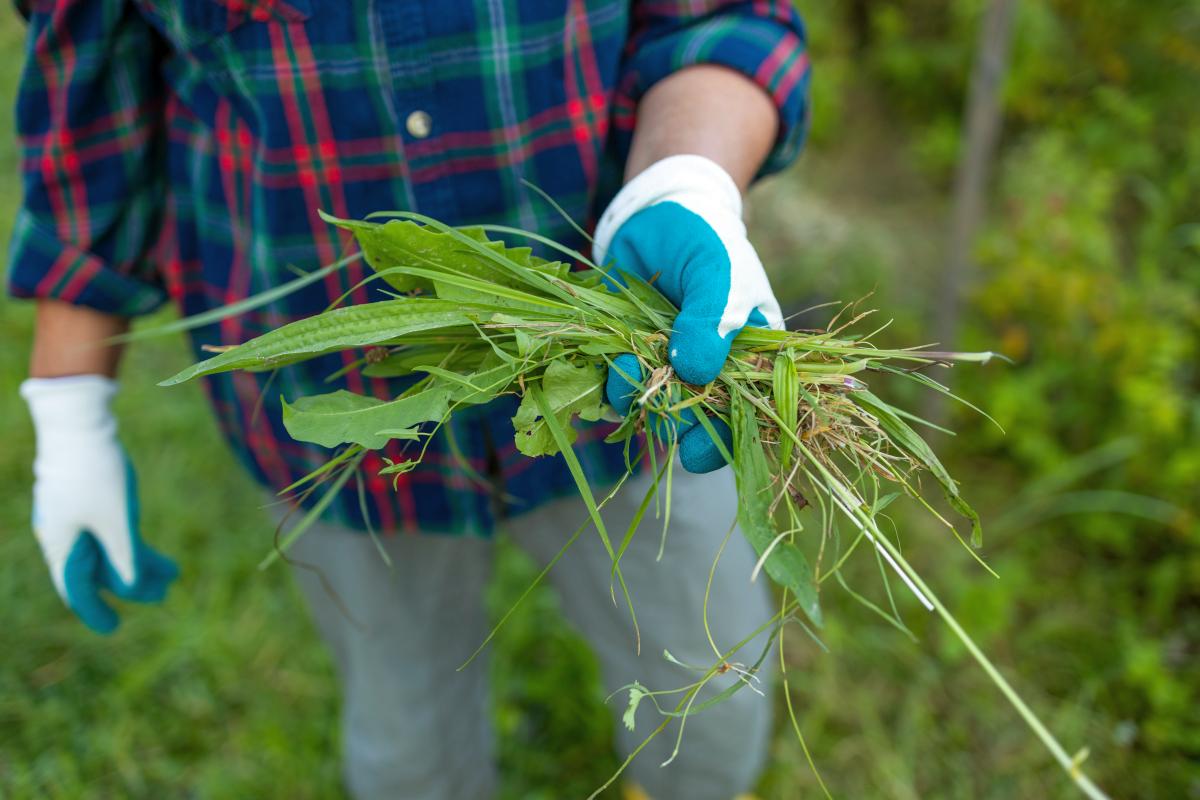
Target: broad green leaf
568 391
528 343
520 255
405 243
339 329
452 285
417 252
786 565
344 417
385 248
545 278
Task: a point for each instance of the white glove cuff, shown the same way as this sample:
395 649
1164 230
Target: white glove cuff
65 410
674 178
79 472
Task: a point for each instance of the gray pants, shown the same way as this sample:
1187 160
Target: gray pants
415 729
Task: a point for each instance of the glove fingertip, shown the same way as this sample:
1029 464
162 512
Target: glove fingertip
151 589
155 574
169 570
699 453
620 387
673 427
160 573
99 618
697 352
158 564
81 582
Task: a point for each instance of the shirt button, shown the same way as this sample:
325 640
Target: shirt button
419 124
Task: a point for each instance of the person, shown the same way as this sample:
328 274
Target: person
182 150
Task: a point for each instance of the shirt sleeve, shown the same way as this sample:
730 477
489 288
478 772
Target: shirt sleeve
762 39
89 119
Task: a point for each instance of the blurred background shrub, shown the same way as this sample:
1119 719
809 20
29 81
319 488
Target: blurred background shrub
1086 274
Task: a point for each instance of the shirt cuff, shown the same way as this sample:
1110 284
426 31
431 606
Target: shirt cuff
770 52
42 266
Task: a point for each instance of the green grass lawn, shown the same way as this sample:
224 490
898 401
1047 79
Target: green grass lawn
225 691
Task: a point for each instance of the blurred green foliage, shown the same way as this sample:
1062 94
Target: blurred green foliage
1091 281
1088 277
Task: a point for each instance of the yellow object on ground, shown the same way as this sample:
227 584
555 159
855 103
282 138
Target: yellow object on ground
634 792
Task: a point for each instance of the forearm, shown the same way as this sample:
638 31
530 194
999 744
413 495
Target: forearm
72 340
710 111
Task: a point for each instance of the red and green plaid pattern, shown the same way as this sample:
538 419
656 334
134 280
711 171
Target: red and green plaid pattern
181 148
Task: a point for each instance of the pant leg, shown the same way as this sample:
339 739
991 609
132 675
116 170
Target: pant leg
413 728
724 747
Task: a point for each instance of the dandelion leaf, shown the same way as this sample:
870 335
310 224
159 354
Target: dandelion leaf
569 391
391 246
636 693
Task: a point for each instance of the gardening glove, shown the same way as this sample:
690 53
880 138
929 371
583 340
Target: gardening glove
679 224
85 508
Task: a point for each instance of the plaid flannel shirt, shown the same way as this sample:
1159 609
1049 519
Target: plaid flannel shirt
181 149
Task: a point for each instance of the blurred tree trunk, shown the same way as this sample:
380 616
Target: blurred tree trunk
982 119
860 24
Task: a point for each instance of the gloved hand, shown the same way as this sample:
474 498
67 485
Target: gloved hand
681 219
85 509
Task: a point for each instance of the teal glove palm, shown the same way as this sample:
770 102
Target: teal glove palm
85 510
679 223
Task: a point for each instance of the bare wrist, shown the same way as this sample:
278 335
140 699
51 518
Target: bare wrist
74 340
706 110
